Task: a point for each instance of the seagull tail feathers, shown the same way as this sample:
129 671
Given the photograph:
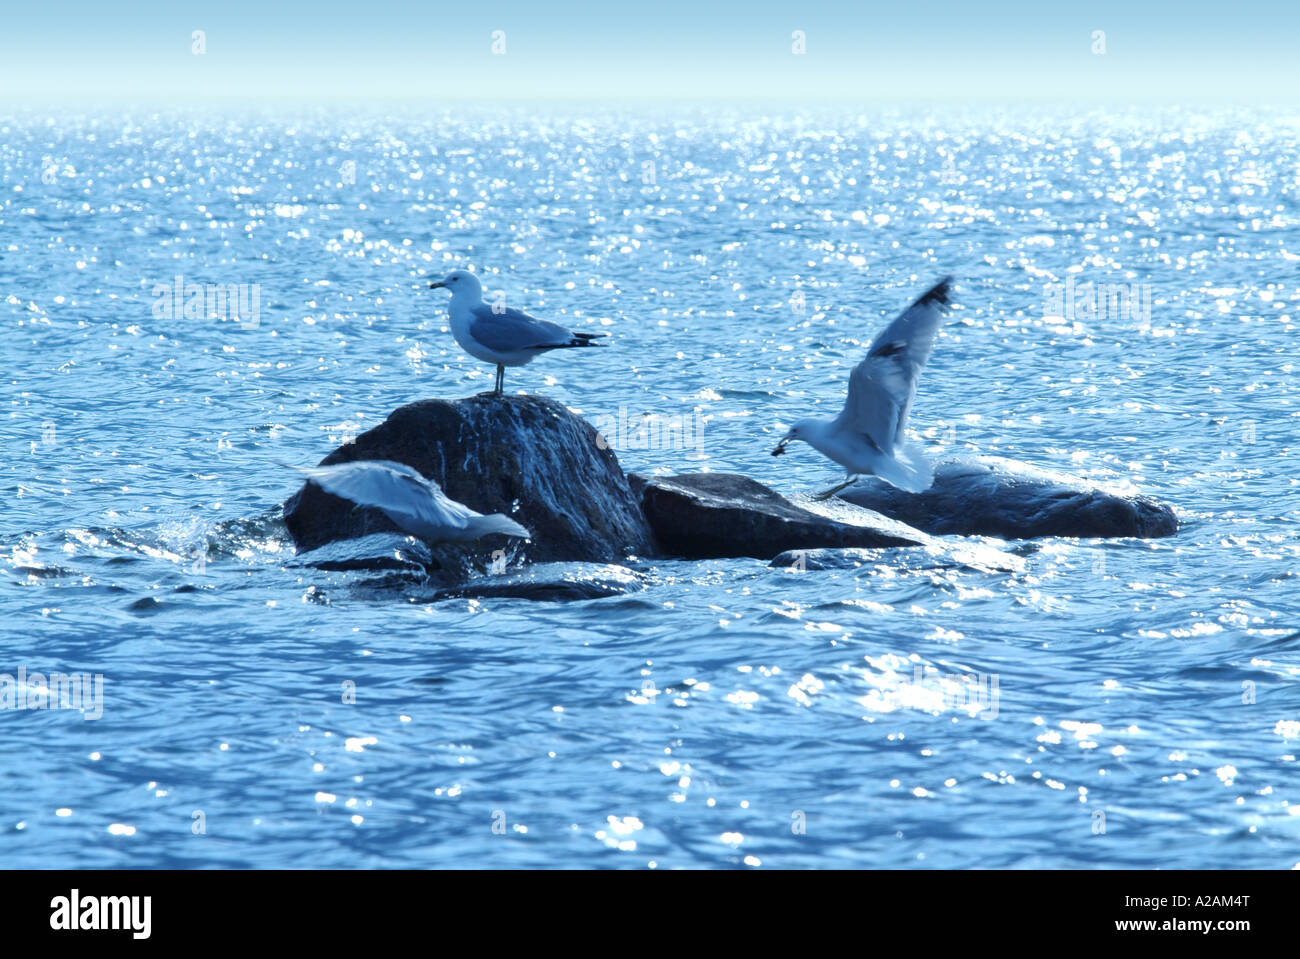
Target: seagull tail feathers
907 469
579 339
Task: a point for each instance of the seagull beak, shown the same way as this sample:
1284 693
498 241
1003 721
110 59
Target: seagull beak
780 447
434 286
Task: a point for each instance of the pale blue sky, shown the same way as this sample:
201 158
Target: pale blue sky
326 50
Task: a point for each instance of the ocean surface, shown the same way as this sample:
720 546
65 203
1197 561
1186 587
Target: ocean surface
1116 703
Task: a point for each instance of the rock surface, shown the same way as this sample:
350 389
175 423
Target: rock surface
992 496
719 515
525 456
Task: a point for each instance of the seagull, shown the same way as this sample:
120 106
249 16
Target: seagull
495 334
867 436
414 503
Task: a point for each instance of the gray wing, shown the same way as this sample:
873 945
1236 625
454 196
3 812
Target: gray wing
882 386
411 501
509 331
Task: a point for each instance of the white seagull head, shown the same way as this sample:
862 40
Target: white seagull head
461 283
802 430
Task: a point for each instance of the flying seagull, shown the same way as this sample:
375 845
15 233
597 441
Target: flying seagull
495 334
414 503
867 436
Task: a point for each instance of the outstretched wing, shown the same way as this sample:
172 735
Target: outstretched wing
411 501
882 386
366 482
510 331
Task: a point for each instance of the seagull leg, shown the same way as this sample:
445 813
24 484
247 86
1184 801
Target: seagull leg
828 493
501 379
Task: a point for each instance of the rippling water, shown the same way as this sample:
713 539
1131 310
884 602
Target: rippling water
1116 703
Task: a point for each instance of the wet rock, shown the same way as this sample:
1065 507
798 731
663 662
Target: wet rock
719 515
393 552
525 456
552 582
992 496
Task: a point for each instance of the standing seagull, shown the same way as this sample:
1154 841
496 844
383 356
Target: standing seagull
867 436
499 335
414 503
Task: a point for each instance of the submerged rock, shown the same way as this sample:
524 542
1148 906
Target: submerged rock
936 554
720 515
992 496
525 456
374 552
552 582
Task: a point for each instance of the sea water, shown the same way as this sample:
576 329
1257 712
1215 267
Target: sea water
188 298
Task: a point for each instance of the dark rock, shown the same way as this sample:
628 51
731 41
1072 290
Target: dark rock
552 582
719 515
992 496
525 456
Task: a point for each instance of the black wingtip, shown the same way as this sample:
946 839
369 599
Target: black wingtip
939 293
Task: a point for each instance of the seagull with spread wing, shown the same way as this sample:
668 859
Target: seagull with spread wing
416 504
495 334
867 437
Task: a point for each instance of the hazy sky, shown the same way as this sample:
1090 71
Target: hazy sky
327 50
